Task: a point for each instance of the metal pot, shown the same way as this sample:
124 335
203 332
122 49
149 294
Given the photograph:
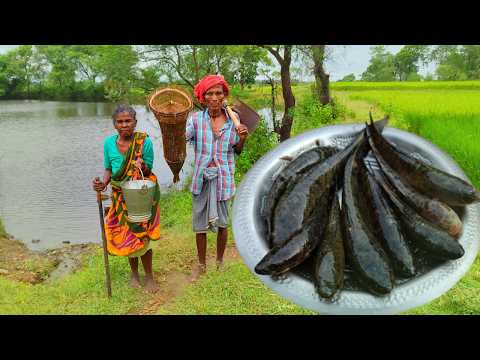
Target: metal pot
138 195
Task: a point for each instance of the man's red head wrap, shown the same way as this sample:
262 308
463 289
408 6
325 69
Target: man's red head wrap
208 82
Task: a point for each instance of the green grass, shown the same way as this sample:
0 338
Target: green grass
80 293
235 291
462 299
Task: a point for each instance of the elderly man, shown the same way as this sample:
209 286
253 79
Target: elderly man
215 139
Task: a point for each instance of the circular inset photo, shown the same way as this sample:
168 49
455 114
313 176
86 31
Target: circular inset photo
357 219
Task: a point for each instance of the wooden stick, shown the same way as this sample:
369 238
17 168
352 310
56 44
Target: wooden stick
233 116
105 251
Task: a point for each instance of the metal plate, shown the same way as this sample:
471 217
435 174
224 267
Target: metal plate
249 229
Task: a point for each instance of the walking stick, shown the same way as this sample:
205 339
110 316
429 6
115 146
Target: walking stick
105 251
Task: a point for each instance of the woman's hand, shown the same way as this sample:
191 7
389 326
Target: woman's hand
139 163
98 185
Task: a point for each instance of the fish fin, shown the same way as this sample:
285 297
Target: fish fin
287 158
371 118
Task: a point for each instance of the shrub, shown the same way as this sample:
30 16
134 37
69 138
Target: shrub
257 144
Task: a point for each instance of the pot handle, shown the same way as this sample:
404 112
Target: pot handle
144 188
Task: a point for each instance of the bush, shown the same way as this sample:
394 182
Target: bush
257 144
312 114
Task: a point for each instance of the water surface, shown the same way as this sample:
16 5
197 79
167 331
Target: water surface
49 154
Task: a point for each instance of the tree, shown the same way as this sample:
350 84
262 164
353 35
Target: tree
406 61
117 65
456 62
271 77
284 60
21 69
322 79
62 68
245 63
381 67
347 78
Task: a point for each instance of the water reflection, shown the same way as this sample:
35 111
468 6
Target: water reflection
49 154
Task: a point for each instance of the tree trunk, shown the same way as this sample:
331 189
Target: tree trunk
288 97
274 115
322 79
196 67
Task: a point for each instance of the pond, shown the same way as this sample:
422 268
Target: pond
49 154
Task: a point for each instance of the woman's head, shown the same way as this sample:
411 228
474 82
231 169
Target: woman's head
212 90
124 120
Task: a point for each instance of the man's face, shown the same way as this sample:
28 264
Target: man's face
125 124
214 97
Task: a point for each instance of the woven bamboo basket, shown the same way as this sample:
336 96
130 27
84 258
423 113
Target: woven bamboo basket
171 107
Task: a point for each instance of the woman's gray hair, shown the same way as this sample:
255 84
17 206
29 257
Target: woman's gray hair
122 108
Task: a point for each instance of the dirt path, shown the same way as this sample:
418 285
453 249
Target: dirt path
358 109
174 283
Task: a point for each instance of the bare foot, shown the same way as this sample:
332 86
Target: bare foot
198 271
134 281
150 285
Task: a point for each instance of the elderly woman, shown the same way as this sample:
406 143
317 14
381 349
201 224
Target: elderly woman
124 154
215 140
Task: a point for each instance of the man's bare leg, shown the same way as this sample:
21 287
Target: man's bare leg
222 237
201 267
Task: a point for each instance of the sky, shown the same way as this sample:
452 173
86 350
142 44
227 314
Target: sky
344 59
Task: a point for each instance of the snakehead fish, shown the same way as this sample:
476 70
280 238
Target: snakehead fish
285 256
433 210
297 204
425 235
330 258
426 179
296 167
388 227
366 255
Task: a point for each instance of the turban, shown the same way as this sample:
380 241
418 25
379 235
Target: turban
208 82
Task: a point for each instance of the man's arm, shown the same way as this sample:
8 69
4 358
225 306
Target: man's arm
242 134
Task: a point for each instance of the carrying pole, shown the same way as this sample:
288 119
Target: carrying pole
104 239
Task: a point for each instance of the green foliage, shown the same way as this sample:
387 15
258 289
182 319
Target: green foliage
311 114
450 72
402 66
257 144
406 62
245 62
349 77
457 62
381 67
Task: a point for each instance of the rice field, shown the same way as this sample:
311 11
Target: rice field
410 85
448 117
